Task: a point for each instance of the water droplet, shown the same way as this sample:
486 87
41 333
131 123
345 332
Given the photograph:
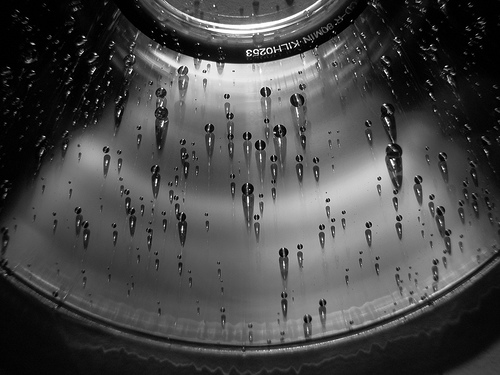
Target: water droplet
395 203
399 230
78 223
307 326
389 121
160 92
279 132
394 164
86 238
155 183
321 236
332 230
209 140
300 259
443 165
179 268
283 263
131 223
284 306
182 227
106 161
247 202
461 213
435 273
440 220
316 173
115 237
473 174
368 236
377 268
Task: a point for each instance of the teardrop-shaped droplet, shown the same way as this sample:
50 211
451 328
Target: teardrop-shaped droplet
283 263
343 223
303 141
128 204
149 241
399 230
182 228
209 142
316 173
417 188
307 326
247 199
447 244
475 207
440 223
332 230
179 268
321 236
377 268
256 227
431 208
274 171
389 124
473 174
78 223
369 136
120 164
233 189
106 161
155 184
131 224
284 307
368 236
300 259
86 238
395 203
379 189
161 128
157 264
461 213
299 168
394 163
435 273
183 84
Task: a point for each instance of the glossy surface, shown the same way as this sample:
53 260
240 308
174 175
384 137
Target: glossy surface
226 206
